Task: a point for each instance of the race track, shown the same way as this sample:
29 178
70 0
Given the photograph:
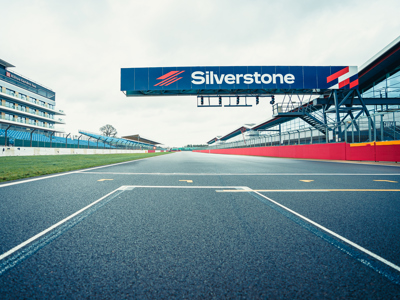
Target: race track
194 225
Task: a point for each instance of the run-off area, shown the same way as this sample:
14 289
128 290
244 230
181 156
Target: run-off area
181 242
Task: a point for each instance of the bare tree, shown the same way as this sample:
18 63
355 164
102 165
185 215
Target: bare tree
108 130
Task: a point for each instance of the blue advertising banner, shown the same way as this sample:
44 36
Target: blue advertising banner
235 80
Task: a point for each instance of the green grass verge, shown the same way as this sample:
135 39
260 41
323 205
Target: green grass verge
18 167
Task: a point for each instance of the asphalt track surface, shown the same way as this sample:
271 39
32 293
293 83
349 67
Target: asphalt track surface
193 225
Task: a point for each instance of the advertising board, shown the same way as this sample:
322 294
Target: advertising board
239 79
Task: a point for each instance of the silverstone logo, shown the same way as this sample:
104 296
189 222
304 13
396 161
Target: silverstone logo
211 78
169 78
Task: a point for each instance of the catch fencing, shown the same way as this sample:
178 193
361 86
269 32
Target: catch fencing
379 127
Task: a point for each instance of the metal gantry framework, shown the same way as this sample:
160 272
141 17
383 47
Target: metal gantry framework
319 110
329 112
233 100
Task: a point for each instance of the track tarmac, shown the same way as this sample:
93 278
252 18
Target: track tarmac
194 225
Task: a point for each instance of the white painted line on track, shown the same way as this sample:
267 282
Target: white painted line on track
28 241
273 191
312 190
122 188
71 172
358 247
128 187
36 179
240 174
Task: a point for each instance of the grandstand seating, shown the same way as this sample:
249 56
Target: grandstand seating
103 141
36 137
24 135
114 140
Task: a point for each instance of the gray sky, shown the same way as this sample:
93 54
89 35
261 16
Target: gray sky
77 48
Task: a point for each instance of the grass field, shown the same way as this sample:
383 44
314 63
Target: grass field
17 167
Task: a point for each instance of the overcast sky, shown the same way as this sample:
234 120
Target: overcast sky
77 48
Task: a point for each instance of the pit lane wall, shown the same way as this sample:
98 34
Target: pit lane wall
374 151
29 151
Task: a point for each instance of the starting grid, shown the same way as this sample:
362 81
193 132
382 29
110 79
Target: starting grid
24 250
16 255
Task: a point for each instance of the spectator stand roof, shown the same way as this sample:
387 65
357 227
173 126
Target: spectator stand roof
214 140
240 130
6 64
110 140
138 138
375 69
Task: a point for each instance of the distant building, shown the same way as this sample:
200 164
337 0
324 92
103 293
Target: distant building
26 105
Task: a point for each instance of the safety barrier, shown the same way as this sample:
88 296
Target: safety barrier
374 151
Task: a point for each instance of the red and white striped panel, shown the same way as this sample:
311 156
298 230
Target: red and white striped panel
343 77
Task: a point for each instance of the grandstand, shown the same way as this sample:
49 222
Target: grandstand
118 142
141 139
26 105
86 139
20 138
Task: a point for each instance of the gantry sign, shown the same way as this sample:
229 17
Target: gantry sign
238 80
333 84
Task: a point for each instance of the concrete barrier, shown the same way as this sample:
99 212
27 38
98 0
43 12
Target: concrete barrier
29 151
375 151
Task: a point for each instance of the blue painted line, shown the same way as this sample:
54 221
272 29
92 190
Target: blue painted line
19 256
357 255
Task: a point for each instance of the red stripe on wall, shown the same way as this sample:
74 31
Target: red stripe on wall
361 153
334 151
337 74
